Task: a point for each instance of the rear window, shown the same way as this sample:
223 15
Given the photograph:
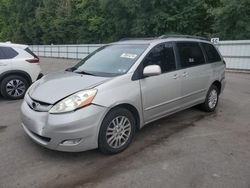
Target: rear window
30 52
7 53
211 53
190 54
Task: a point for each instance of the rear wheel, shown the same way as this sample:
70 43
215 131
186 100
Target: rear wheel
211 101
14 87
117 131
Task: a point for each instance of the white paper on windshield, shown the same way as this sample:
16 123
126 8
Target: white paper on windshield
127 55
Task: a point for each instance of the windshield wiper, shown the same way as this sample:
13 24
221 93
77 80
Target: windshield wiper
70 69
84 72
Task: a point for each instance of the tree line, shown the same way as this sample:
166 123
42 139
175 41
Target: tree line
102 21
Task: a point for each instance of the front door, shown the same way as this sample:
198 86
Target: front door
160 94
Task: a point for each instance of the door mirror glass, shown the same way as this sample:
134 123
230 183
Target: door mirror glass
152 70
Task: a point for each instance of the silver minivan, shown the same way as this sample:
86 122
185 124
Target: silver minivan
104 99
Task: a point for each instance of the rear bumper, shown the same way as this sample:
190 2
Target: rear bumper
223 84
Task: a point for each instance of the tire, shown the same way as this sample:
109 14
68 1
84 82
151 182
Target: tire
212 99
109 134
14 87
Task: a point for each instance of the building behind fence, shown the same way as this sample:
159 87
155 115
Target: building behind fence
235 53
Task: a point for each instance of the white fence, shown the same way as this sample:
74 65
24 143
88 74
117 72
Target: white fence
65 51
236 53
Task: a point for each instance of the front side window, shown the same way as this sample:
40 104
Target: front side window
162 55
7 53
211 52
111 60
190 54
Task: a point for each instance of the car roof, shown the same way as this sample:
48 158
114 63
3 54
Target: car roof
8 44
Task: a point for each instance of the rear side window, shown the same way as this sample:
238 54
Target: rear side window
190 54
7 53
30 52
211 53
2 56
162 55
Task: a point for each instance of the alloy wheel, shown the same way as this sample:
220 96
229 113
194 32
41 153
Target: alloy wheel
15 88
212 99
118 132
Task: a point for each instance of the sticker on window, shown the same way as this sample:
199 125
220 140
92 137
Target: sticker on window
191 60
127 55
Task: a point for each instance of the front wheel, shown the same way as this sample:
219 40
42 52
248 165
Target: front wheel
117 131
211 101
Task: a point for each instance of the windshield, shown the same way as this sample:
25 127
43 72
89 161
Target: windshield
110 60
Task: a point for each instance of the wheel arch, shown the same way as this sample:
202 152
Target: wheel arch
16 72
217 84
132 109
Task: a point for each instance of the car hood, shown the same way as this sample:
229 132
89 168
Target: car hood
54 87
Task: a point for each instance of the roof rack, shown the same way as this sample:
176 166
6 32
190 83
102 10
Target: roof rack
165 37
147 38
182 36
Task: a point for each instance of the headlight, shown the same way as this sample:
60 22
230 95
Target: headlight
73 102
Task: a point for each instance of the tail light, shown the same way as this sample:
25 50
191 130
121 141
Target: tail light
33 60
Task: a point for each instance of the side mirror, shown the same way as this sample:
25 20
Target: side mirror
152 70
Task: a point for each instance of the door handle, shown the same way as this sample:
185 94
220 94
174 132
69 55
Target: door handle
3 64
176 76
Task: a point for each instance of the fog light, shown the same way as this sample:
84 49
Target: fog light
71 142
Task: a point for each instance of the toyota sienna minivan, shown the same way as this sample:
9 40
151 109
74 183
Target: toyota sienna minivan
104 99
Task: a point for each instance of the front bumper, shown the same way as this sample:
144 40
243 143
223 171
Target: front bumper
50 130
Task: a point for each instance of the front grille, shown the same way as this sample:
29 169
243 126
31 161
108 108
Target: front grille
38 105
